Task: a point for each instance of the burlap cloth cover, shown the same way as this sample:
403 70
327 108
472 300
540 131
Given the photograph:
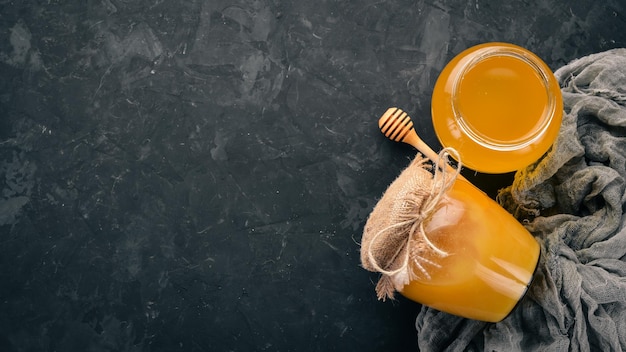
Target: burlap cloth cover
573 201
394 242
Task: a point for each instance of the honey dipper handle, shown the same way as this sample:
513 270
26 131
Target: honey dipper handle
413 139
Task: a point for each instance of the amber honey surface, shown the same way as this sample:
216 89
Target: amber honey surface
498 105
489 262
514 94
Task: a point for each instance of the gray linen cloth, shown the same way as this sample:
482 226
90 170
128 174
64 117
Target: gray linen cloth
573 202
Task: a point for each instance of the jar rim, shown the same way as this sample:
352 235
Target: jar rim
530 61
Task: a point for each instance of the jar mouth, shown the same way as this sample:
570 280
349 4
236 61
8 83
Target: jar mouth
523 136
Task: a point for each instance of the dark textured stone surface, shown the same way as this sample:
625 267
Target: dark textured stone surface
195 175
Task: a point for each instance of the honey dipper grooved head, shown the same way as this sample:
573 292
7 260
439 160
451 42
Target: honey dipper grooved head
395 124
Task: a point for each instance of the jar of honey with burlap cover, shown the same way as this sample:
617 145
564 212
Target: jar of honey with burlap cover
440 241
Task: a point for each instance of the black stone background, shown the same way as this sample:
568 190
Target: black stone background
194 175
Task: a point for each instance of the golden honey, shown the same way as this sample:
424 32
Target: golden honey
489 259
498 105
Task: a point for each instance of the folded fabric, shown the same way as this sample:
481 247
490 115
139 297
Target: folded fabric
572 201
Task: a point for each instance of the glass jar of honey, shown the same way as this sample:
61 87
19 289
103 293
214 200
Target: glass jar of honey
483 260
498 105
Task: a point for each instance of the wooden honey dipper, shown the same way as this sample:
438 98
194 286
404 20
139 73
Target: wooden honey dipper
397 125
